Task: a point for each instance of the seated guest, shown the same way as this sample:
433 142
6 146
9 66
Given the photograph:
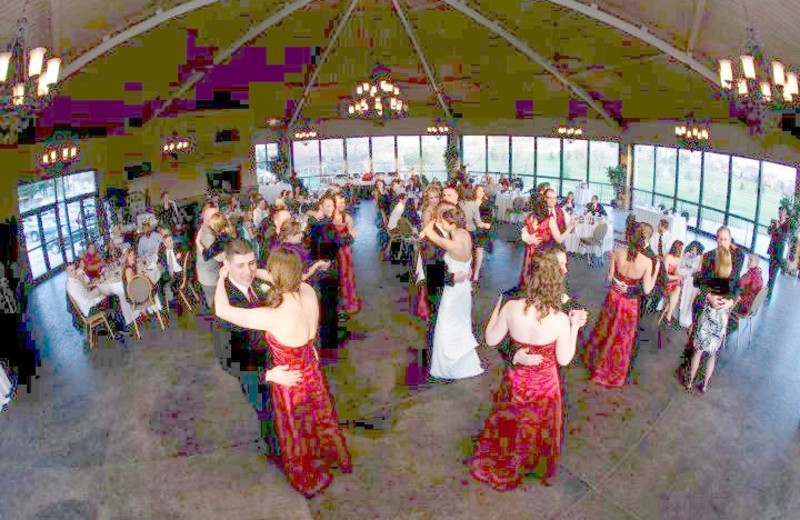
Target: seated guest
130 267
92 263
661 241
594 208
85 295
749 285
169 260
149 241
568 204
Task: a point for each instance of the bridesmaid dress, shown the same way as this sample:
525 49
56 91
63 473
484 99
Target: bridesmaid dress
348 297
308 432
523 431
542 230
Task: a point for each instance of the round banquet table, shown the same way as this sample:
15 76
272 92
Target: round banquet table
584 229
111 285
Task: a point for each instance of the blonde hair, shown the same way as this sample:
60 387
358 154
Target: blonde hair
220 225
724 263
286 269
545 284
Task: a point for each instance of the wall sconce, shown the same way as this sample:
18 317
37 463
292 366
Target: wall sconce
59 154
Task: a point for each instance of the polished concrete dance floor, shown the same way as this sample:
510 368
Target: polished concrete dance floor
157 430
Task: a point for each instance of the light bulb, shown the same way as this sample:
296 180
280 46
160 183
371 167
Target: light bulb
35 62
73 152
45 160
726 73
778 77
65 153
748 66
766 90
742 87
704 134
396 91
5 61
53 156
350 109
51 74
791 83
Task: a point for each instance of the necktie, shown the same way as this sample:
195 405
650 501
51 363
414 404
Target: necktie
660 245
251 295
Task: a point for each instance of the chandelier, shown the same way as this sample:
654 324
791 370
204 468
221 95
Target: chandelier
305 134
378 98
59 154
24 82
177 144
768 81
438 129
692 134
569 131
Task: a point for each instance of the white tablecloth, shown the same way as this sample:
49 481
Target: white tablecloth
584 230
582 197
505 202
272 192
677 224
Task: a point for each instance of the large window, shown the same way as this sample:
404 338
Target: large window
715 180
383 155
690 165
332 151
59 217
548 157
643 173
358 160
475 153
498 154
602 156
306 158
777 181
408 153
263 154
522 150
433 165
744 187
576 161
666 164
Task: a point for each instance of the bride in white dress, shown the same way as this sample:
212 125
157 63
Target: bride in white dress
454 355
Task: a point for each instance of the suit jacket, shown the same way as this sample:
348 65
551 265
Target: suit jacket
707 282
325 239
598 210
247 345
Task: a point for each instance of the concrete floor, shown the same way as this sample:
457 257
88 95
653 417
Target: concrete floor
158 430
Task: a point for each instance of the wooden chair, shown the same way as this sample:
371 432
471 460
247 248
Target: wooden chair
187 282
401 235
139 291
96 318
750 314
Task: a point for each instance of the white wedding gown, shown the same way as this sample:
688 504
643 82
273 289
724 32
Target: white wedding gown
454 355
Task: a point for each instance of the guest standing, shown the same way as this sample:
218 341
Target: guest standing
778 231
524 429
476 226
610 347
349 301
674 282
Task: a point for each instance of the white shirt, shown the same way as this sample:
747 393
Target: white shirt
82 297
666 242
148 245
397 213
243 289
258 216
172 262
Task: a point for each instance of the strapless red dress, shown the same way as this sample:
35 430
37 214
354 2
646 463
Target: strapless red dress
348 296
306 425
542 229
673 284
523 431
610 346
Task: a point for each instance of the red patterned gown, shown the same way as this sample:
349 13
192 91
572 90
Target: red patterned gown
673 284
348 297
524 428
542 230
308 432
610 346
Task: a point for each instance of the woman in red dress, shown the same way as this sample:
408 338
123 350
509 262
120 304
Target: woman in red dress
540 227
308 432
92 263
524 428
672 289
348 297
610 346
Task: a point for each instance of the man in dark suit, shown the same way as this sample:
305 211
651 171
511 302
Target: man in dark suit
325 245
250 358
595 208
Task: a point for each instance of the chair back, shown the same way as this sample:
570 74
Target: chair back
403 227
72 307
187 265
139 289
600 231
757 301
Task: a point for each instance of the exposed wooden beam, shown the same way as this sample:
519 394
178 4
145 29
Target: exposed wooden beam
523 48
315 74
435 86
132 32
592 11
222 56
700 11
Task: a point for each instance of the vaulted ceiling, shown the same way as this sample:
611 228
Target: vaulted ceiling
491 59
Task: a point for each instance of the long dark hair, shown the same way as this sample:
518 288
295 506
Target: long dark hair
545 284
286 269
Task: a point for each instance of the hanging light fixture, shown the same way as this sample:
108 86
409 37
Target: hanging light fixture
302 135
175 145
378 98
569 131
692 134
439 128
27 76
59 152
755 79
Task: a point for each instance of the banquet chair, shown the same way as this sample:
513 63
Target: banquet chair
96 318
187 282
139 291
517 211
402 236
750 314
595 242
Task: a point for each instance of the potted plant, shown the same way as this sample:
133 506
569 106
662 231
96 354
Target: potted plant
793 210
451 159
278 165
617 177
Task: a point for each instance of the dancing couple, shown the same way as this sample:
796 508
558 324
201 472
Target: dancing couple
303 430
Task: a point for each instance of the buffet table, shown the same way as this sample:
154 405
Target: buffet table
677 224
584 229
